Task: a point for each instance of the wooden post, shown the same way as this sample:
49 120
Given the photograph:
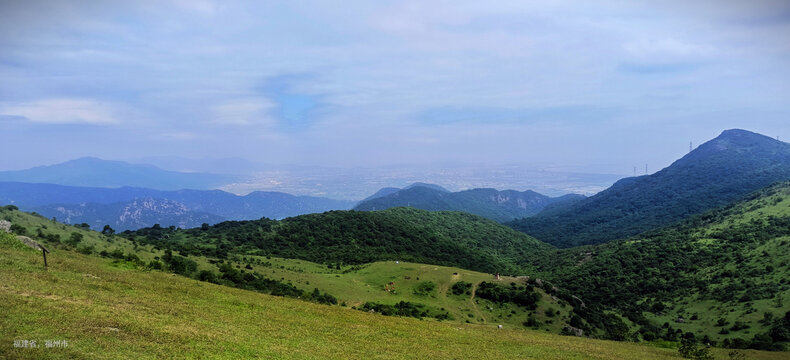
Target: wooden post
29 242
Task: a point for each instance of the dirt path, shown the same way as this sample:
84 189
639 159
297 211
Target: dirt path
479 314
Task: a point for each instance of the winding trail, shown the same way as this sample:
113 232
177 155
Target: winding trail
477 311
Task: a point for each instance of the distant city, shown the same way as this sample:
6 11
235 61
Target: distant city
358 183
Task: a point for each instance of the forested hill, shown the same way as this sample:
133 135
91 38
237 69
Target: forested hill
489 203
717 274
718 172
354 237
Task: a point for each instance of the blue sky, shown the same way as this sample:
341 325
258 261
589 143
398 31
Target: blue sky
596 87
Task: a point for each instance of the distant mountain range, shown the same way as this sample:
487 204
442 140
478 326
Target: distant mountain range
718 172
489 203
134 214
100 206
94 172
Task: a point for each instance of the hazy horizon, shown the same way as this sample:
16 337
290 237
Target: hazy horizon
570 85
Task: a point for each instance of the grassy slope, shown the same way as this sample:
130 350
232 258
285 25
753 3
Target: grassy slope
353 287
367 284
763 262
111 312
776 203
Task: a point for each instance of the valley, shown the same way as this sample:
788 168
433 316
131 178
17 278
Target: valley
715 279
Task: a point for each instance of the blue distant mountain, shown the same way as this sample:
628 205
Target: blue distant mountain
391 190
490 203
94 205
129 215
94 172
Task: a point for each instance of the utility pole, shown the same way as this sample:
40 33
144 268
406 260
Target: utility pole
690 146
645 168
634 170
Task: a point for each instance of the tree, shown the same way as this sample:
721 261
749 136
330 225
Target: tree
107 230
690 350
74 239
18 229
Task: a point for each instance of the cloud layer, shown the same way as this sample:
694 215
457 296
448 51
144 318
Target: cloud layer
609 85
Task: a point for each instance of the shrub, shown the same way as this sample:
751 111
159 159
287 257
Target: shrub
461 287
424 288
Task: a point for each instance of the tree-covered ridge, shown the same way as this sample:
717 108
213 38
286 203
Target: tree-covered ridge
734 259
354 237
718 172
497 205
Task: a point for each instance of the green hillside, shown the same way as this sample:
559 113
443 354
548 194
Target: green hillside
355 237
427 290
719 278
107 311
722 275
715 174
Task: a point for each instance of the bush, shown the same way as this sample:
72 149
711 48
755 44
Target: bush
689 350
424 288
74 239
87 250
461 287
19 230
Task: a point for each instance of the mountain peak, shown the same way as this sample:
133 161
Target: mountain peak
743 137
714 174
427 185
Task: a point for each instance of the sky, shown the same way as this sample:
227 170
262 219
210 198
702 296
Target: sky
592 86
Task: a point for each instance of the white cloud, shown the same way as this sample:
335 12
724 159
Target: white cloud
178 136
62 111
670 48
245 111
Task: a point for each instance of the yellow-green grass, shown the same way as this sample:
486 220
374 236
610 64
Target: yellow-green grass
354 287
774 203
94 239
107 312
368 284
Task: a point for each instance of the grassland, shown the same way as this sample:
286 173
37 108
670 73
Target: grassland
106 311
351 285
765 263
368 284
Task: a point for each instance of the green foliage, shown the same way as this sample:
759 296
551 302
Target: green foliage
74 239
715 174
461 288
87 250
107 230
252 281
519 295
179 264
424 288
710 257
18 229
531 322
354 237
404 308
690 350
